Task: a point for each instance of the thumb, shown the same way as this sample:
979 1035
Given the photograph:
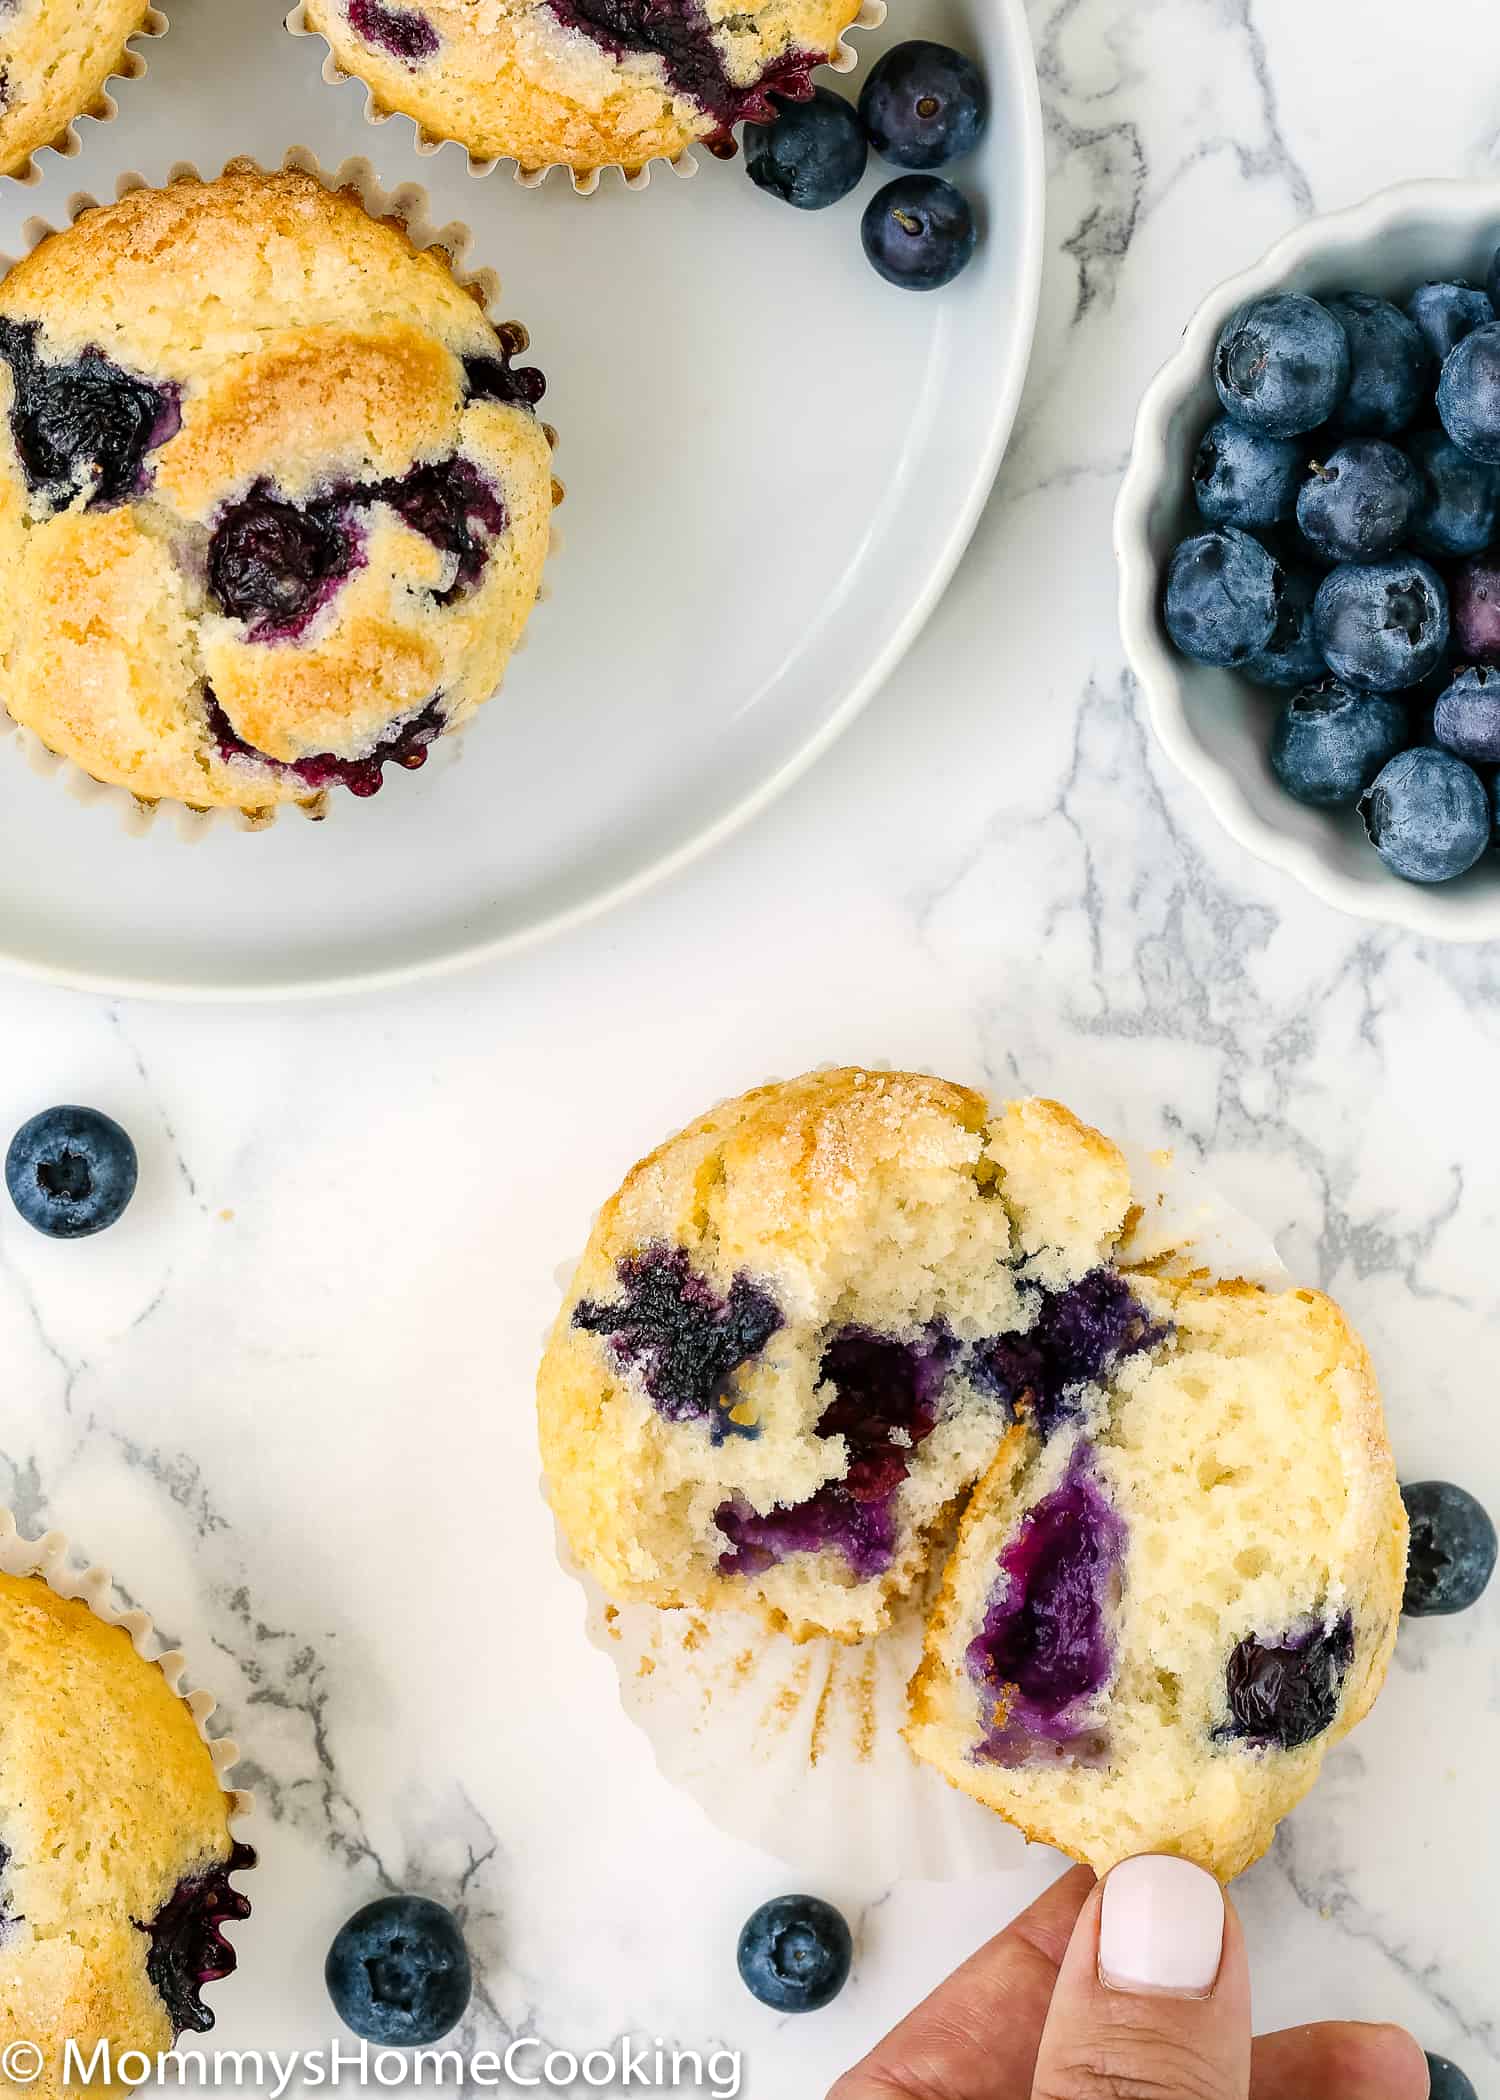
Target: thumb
1153 1995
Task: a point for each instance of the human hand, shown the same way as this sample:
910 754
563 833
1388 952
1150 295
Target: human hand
1136 1988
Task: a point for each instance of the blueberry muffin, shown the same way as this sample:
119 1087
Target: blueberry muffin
582 83
115 1849
55 56
1173 1594
274 498
790 1346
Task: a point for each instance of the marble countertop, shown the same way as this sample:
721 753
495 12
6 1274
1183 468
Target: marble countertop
291 1400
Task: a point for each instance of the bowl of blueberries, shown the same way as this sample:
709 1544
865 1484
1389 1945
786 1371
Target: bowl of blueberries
1308 538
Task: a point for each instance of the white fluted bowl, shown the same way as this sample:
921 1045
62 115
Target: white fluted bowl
1213 724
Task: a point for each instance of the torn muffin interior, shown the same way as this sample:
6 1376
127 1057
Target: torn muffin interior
1160 1614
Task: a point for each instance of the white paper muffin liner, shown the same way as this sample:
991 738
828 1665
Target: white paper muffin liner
49 1557
585 180
796 1747
103 109
409 206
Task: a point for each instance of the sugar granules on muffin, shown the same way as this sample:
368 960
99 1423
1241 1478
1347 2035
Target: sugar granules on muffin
55 56
274 498
582 83
115 1847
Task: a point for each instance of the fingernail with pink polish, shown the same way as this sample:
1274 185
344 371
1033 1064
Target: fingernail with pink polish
1161 1928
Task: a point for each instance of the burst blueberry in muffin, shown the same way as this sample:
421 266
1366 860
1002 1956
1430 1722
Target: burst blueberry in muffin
582 83
1167 1605
115 1848
55 56
274 498
803 1327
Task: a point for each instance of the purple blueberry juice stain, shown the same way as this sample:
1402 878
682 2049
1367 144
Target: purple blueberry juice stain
84 421
679 35
404 744
404 32
886 1398
684 1339
1285 1693
452 505
1043 1649
1079 1336
188 1948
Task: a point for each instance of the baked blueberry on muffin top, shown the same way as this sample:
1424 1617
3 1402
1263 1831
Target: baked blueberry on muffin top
582 83
116 1855
55 56
274 498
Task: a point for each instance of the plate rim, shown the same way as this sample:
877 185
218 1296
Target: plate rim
1005 405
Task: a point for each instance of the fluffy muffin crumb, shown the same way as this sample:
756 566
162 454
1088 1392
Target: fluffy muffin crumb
55 56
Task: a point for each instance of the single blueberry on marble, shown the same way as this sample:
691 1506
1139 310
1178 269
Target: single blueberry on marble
1044 1650
1330 742
1284 1693
1452 1553
1223 595
924 104
70 1171
83 423
1446 2081
398 1972
684 1339
886 1396
1281 364
795 1954
1390 366
187 1945
1079 1337
812 155
1428 815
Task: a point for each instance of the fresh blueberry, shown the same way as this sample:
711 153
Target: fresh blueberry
1292 656
1475 602
924 105
1453 1546
1222 597
795 1954
1460 496
1446 313
1382 625
1468 395
1330 742
1285 1693
1282 365
70 1172
1359 503
812 155
1242 477
1447 2081
1390 365
918 232
398 1972
1427 815
1466 718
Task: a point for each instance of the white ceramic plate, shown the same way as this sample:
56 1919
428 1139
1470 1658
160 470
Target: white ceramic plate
1214 725
773 463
